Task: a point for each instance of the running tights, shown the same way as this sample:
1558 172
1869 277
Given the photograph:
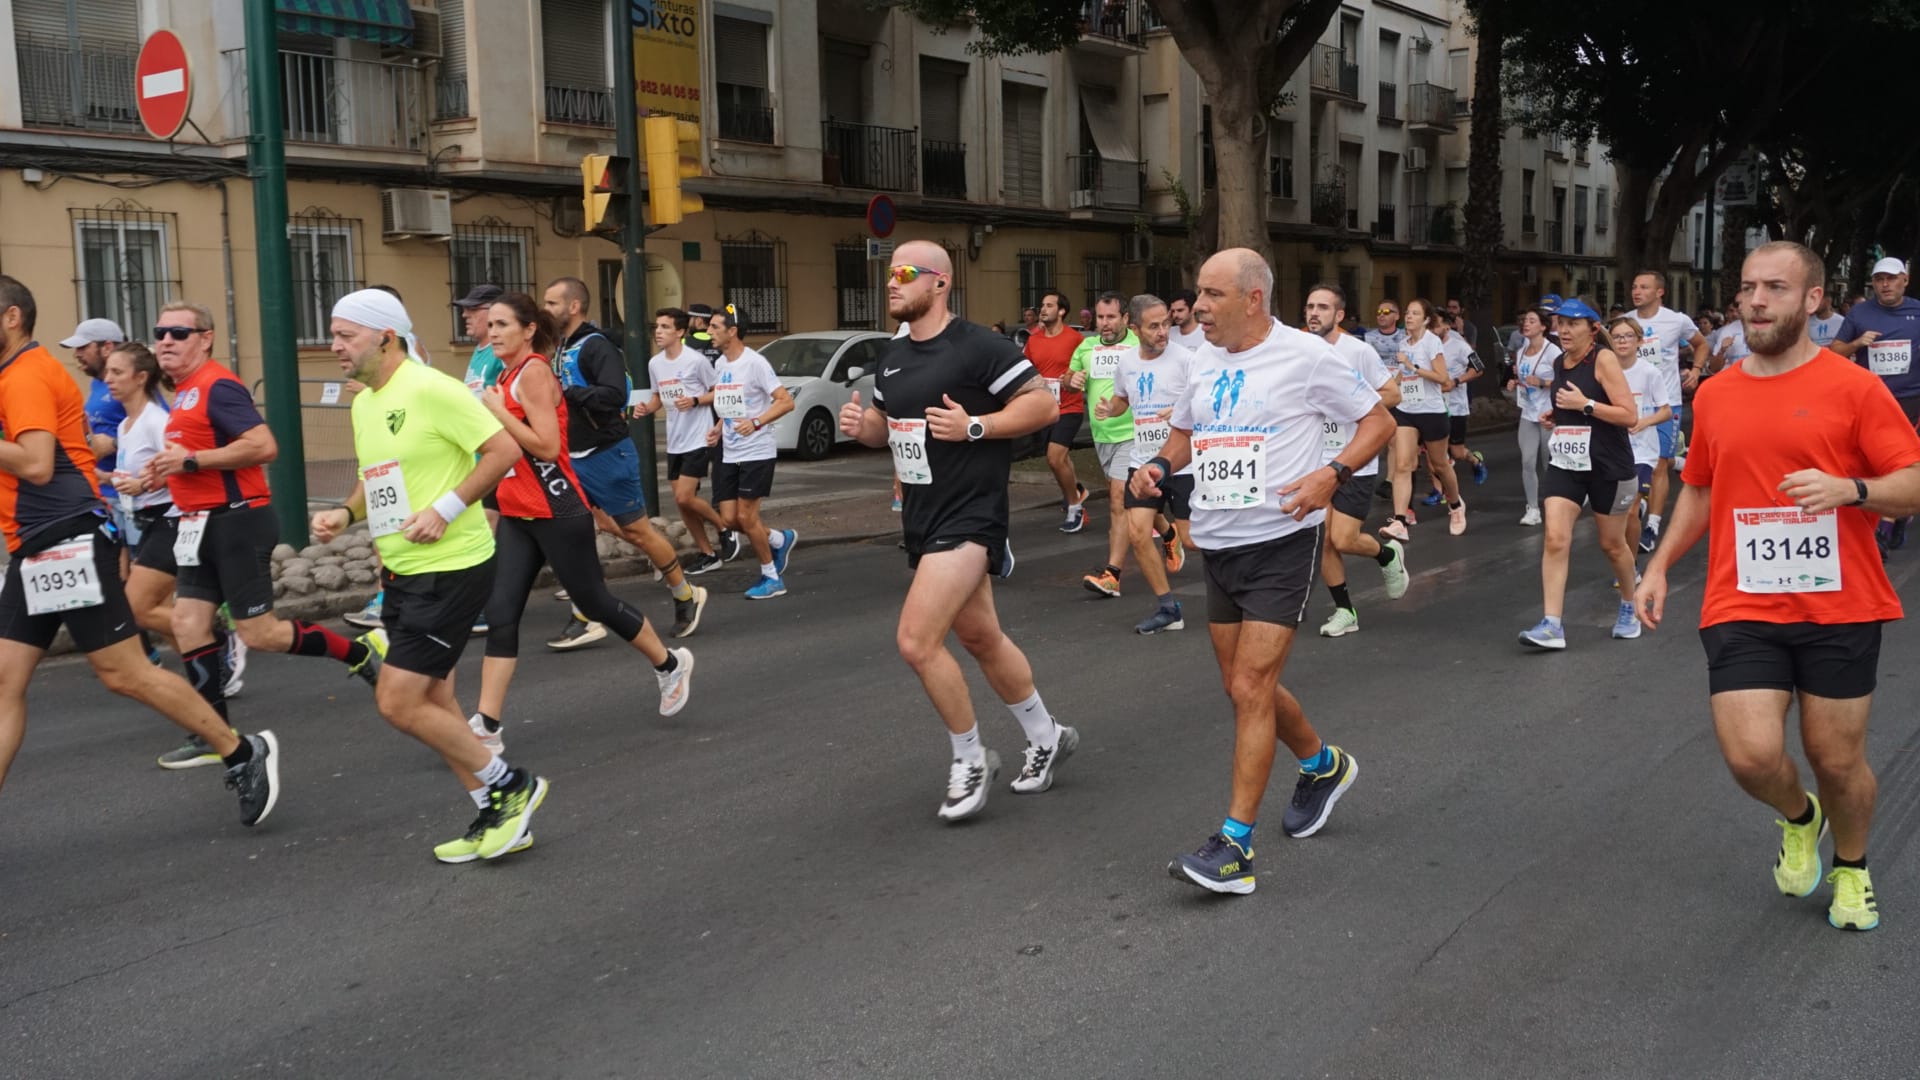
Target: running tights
523 546
1533 445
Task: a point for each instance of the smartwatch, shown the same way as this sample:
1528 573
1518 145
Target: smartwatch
1587 408
191 465
1341 471
1860 490
975 429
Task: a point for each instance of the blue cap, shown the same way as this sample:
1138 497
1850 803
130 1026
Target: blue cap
1576 308
1550 303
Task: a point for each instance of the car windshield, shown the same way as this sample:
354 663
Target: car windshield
800 357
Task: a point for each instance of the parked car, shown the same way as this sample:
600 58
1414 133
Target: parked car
821 370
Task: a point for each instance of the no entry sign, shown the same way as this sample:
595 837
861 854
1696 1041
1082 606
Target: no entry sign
163 85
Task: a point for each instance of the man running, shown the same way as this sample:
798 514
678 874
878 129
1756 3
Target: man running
1253 424
1050 349
1662 332
92 342
1151 378
1092 371
1824 328
1388 338
1186 331
416 432
747 399
683 383
1794 453
1347 514
1879 335
64 566
949 400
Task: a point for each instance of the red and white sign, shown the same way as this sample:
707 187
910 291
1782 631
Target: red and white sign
163 84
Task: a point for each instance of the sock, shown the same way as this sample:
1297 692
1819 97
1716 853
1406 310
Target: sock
1035 720
1454 505
488 722
480 798
672 663
1341 598
1114 570
495 771
1857 864
207 671
683 591
767 570
1654 520
1385 556
1167 602
776 539
310 639
1240 832
967 747
379 599
1553 621
1319 762
1806 818
240 756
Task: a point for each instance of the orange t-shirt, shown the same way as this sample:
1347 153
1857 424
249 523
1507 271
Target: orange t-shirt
1748 434
1051 355
37 394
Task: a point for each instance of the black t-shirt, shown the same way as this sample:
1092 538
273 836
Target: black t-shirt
981 371
1610 451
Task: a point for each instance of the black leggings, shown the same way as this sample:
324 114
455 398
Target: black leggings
523 546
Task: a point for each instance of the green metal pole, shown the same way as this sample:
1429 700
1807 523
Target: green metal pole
637 320
267 167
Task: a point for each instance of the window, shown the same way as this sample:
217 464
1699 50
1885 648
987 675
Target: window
76 60
1602 209
573 46
490 252
1023 121
1526 192
1036 274
742 80
1162 281
753 279
1103 275
1422 289
1280 160
323 249
450 83
943 152
957 281
126 266
1309 277
857 306
1579 219
1392 291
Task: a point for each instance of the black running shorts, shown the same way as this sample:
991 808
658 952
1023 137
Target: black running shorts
1456 431
1066 429
1267 582
999 552
236 562
1431 426
1838 660
1587 489
692 463
428 617
1354 498
742 480
93 628
157 534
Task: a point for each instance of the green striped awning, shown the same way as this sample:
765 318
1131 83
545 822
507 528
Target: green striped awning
388 22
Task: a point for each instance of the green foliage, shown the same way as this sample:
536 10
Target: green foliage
1007 27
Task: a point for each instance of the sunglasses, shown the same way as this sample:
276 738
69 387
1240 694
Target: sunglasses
178 333
1387 311
907 274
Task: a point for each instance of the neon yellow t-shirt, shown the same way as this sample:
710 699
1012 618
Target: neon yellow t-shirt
1101 363
427 422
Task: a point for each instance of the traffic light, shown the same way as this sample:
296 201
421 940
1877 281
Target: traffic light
604 192
666 166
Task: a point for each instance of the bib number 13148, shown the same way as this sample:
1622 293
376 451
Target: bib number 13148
1783 549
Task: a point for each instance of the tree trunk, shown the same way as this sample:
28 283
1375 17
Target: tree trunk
1484 228
1630 235
1240 169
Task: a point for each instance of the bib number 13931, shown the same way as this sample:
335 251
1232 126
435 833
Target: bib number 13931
61 578
1783 549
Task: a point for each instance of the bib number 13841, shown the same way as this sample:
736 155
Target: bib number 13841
1226 471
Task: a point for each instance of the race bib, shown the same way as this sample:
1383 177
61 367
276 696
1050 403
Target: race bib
1416 391
1226 470
730 402
186 543
1149 436
1890 357
908 441
477 388
1649 353
1103 363
61 578
1333 436
1053 387
1571 448
1783 549
387 505
671 390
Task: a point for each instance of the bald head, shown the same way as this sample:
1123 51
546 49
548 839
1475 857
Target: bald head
923 253
922 300
1235 287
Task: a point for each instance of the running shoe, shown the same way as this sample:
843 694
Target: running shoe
1076 511
1396 528
1395 572
189 755
467 848
1176 553
1220 866
1036 775
768 588
257 780
784 554
1457 518
1315 793
1104 583
731 545
967 784
1344 622
510 815
479 625
896 506
1479 467
676 686
369 669
1544 635
700 564
578 634
1626 626
1649 537
686 613
1797 870
563 596
367 617
1433 498
1853 907
1532 517
489 737
1164 617
236 665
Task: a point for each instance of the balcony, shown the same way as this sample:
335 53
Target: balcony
746 123
1432 225
1334 73
1556 238
1103 183
364 104
1556 146
81 84
1430 108
585 106
1383 223
943 168
1389 102
868 156
1112 27
450 99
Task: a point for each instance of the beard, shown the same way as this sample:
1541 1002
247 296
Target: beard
905 310
1787 329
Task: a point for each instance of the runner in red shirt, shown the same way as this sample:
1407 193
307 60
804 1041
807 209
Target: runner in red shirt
1794 453
65 565
1049 349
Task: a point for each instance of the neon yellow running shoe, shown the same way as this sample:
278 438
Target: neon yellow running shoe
1797 871
1853 907
369 668
511 814
467 848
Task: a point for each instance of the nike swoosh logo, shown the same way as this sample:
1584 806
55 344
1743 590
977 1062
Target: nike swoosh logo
119 628
890 371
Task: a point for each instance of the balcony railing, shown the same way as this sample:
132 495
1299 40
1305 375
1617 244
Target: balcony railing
1335 71
1383 223
587 106
450 99
82 84
868 156
1556 237
1389 101
1115 21
1103 183
746 123
1432 224
1430 106
1556 146
368 104
943 168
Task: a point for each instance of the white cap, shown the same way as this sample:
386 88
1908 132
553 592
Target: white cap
93 330
1888 265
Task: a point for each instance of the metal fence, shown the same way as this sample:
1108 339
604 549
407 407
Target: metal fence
326 428
943 168
871 157
1104 182
746 123
333 100
77 84
588 106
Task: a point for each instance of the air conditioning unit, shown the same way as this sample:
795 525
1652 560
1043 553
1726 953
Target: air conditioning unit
417 213
1080 200
1136 247
1416 159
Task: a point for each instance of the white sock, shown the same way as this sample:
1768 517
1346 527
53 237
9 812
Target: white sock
1654 520
479 797
1036 721
767 570
495 771
968 747
776 539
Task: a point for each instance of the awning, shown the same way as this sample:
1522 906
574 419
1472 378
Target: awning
387 22
1104 122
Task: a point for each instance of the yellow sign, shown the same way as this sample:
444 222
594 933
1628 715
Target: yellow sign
666 57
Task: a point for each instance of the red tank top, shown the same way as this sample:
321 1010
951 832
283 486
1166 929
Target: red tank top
199 422
535 488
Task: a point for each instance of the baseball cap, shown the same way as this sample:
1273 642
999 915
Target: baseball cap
1549 303
92 330
1888 265
480 296
700 311
1576 308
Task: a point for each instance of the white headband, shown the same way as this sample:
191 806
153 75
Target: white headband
378 309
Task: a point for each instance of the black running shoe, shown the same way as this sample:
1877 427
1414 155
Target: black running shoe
1220 866
257 781
686 613
701 563
1315 794
731 545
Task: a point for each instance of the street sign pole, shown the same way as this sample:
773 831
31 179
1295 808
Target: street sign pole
638 321
267 168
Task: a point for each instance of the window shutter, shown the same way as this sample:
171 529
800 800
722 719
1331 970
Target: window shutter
740 53
1024 140
453 40
940 100
573 42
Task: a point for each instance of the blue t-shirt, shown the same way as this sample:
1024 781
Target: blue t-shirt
1890 357
103 418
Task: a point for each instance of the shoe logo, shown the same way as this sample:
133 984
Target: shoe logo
396 419
890 371
1230 868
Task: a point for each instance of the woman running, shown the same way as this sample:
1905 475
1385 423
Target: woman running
1532 382
1652 404
545 521
1590 463
1422 419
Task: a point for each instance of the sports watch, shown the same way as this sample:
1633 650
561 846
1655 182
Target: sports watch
191 464
1860 489
975 429
1587 408
1341 471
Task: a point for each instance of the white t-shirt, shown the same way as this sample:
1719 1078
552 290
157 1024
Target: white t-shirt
744 388
1459 356
1823 331
1420 395
690 376
1536 402
1258 423
1187 339
1369 370
1650 391
139 440
1150 388
1664 335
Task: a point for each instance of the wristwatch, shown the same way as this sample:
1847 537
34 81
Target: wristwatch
1860 489
1341 471
191 464
975 429
1587 408
756 424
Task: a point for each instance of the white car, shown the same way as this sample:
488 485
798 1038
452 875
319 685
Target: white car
821 370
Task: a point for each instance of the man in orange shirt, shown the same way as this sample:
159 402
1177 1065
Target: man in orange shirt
1050 349
65 565
1795 453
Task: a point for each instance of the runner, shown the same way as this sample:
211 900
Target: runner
1463 366
683 383
1186 331
1590 463
1794 454
1879 335
1421 419
545 521
416 434
1252 421
1532 384
1824 328
1092 371
1151 378
1663 331
1387 338
91 342
949 400
1653 406
747 399
64 566
1050 350
1347 513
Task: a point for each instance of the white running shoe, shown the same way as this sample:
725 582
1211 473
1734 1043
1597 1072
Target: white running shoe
489 739
1344 622
1531 517
1042 763
676 686
1395 573
967 784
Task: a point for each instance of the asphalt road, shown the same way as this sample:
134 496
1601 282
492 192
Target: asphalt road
1543 870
